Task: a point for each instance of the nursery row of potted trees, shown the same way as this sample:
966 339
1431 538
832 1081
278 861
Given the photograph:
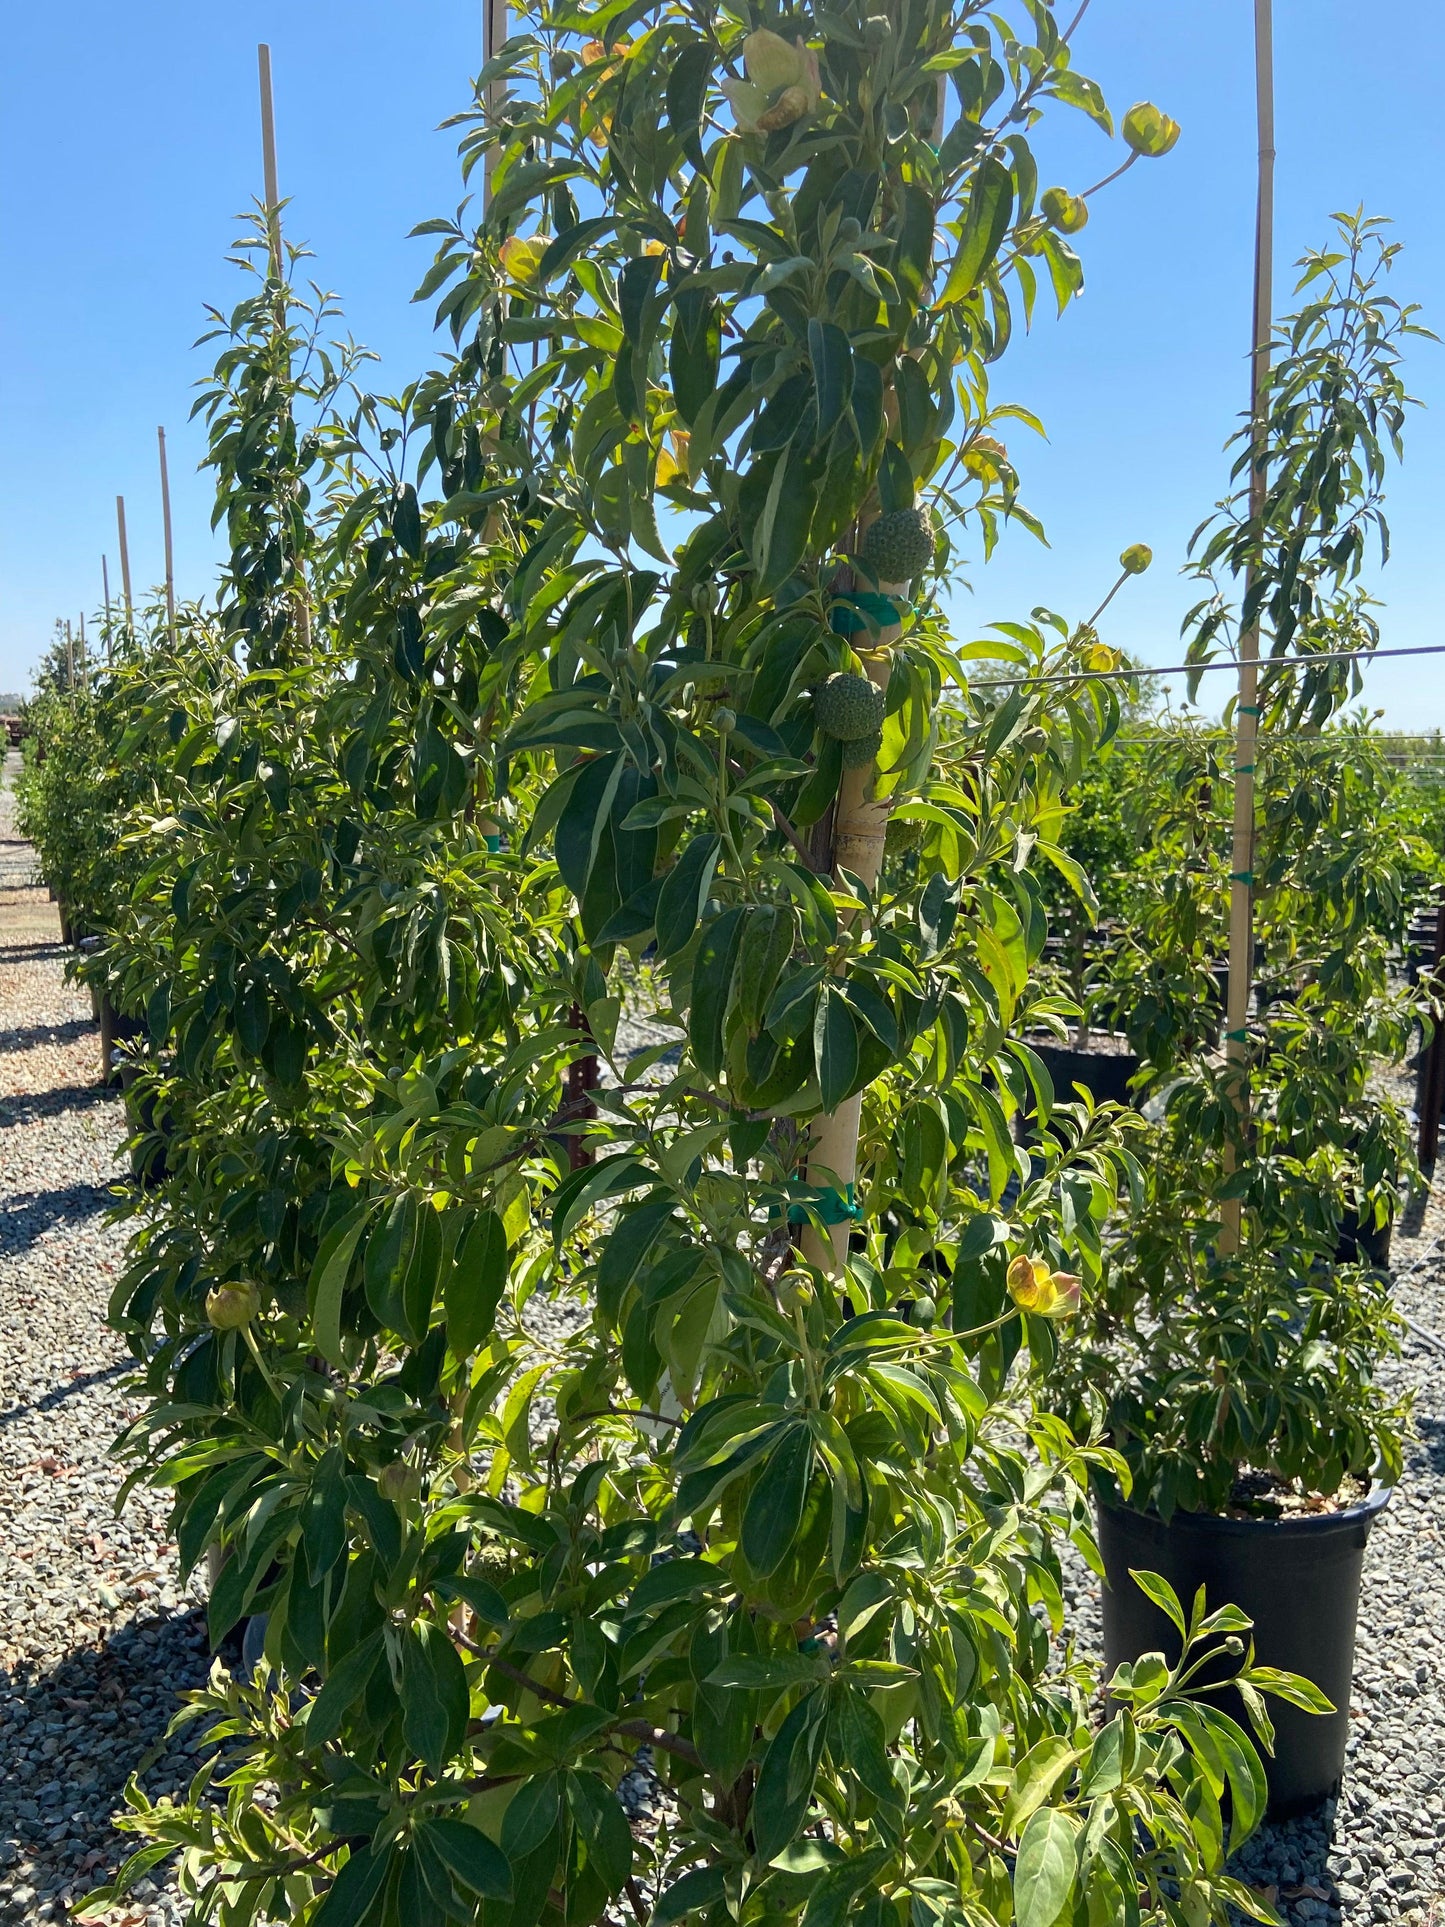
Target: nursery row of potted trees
557 1407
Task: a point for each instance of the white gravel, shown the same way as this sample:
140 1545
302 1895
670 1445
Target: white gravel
96 1636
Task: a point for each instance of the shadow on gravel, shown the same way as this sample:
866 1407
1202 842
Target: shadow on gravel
27 1220
29 1106
71 1734
36 1036
48 1401
19 952
1293 1856
1431 1443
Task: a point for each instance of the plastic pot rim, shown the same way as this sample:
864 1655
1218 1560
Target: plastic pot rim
1301 1525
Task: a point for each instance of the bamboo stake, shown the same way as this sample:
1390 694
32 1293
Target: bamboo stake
69 660
1241 889
495 33
268 159
84 666
860 827
170 553
124 561
272 192
105 584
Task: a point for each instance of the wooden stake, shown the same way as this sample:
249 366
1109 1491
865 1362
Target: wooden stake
860 827
170 554
84 671
1241 888
268 160
124 561
69 659
105 584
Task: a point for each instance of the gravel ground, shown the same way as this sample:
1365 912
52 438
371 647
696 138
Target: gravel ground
97 1636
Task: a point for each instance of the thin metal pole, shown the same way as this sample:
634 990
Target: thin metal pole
1241 886
268 159
124 561
170 553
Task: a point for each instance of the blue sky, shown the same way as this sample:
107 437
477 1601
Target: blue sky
128 139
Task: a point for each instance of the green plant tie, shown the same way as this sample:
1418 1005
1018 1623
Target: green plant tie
1249 709
832 1206
1244 769
1236 1037
494 844
1242 876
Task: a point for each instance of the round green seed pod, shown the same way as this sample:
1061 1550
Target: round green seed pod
848 707
230 1308
862 750
1136 558
904 834
897 546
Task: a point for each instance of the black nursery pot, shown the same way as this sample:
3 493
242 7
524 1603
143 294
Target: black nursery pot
1299 1581
1104 1070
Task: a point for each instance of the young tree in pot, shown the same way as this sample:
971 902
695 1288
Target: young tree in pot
1241 1386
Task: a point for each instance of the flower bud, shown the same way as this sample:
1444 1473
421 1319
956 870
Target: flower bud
1045 1293
1063 210
725 721
1149 131
399 1482
1136 558
229 1308
771 62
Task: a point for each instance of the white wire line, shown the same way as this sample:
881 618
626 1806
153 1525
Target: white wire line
1202 668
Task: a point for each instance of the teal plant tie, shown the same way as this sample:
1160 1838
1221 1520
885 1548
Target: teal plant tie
1236 1037
1242 876
869 611
832 1206
494 844
1244 769
1249 709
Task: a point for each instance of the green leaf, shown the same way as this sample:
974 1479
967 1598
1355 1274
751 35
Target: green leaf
785 1779
1162 1593
345 1684
474 1859
697 1889
686 92
1045 1870
990 210
434 1696
835 1047
475 1285
1290 1687
684 891
712 986
604 1830
765 1672
327 1285
775 1507
355 1888
831 355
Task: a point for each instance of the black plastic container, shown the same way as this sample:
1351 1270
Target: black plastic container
1104 1071
1299 1581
